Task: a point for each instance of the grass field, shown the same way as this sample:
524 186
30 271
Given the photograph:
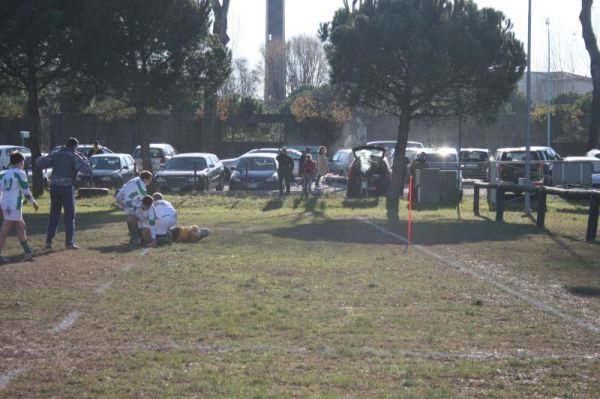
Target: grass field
304 299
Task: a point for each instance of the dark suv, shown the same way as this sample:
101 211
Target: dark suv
475 163
511 164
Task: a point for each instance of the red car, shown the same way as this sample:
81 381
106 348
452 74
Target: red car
369 173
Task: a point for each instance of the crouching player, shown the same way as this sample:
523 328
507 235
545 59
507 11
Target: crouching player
166 217
14 188
146 216
129 200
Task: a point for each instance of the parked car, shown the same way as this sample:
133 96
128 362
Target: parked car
159 155
6 150
341 161
593 153
231 163
256 171
510 164
369 169
595 167
109 170
294 154
187 172
475 163
391 144
83 149
46 173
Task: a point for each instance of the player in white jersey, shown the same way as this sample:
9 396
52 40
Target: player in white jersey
129 199
146 216
166 217
14 189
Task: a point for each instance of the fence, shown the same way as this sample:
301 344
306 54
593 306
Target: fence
543 192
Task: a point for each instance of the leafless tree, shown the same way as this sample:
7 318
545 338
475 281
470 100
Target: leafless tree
243 80
306 62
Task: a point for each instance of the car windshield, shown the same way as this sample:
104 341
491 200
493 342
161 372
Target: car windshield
107 163
519 156
368 158
188 163
474 156
25 151
256 164
441 157
154 153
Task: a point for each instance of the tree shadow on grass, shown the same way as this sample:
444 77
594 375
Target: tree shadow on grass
272 205
123 248
83 221
424 233
360 203
585 291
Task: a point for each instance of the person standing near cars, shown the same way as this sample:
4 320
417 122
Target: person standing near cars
285 170
301 164
418 163
95 150
65 164
322 165
309 169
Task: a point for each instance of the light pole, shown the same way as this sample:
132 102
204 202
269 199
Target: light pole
548 91
527 209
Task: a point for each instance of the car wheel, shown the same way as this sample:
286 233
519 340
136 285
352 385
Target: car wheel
221 184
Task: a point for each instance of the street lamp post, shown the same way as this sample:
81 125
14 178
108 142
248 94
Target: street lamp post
527 209
548 91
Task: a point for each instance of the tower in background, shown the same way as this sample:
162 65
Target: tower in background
275 52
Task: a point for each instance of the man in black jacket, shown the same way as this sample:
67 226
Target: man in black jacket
285 170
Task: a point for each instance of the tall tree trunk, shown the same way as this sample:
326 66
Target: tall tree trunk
33 123
397 181
210 139
209 123
592 47
142 137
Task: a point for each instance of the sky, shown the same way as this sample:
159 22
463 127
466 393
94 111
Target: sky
567 50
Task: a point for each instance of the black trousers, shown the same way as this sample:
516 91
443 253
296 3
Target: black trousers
287 179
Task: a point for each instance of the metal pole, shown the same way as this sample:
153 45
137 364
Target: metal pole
527 209
548 90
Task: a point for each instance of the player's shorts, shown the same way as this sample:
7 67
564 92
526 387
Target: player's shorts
10 213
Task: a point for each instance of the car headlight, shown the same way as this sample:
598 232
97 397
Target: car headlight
272 179
160 179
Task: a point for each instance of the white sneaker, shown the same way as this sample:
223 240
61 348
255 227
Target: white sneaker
29 256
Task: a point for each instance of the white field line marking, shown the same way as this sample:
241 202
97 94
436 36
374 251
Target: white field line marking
103 288
501 286
10 375
145 251
67 322
266 348
127 267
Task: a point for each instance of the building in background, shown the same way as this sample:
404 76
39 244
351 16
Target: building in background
275 52
560 83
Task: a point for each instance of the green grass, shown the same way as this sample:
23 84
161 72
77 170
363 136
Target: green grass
301 299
